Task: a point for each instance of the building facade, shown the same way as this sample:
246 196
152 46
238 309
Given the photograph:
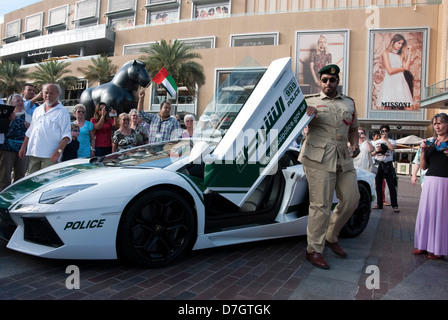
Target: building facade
358 35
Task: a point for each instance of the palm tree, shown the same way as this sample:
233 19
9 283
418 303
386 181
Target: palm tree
53 72
12 78
102 70
177 60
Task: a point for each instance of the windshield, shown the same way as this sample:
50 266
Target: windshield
157 155
234 88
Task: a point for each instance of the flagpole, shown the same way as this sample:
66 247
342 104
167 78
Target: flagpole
177 101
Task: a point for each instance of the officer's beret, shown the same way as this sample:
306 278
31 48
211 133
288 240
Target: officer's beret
332 69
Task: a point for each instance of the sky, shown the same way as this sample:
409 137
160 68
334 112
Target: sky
11 5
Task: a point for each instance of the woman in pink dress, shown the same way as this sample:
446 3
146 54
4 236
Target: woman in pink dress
431 228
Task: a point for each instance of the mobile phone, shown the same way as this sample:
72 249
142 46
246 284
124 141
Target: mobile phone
5 112
112 114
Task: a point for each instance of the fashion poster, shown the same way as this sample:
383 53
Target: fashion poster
314 51
397 68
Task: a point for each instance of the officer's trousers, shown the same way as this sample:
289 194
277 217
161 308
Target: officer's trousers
322 224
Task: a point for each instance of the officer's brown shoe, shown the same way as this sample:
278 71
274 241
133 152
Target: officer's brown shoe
336 248
317 260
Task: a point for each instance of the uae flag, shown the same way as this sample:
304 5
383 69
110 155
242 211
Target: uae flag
167 81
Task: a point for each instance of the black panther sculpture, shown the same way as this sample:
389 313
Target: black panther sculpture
119 93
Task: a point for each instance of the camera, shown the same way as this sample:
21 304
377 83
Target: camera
383 149
442 146
108 109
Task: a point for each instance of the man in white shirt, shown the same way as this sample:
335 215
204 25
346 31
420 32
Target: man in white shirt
49 132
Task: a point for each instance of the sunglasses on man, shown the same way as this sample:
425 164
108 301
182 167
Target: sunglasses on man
332 80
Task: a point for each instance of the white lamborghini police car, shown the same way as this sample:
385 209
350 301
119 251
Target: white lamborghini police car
235 181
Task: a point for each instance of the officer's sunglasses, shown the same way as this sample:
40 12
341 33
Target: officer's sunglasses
332 80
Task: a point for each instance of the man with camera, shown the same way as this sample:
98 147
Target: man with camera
383 156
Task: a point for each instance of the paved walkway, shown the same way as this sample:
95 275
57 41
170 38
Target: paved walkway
265 270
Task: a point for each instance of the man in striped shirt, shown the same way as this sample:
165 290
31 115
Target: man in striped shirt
163 127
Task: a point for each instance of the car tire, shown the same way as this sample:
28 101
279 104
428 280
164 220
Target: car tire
157 229
360 218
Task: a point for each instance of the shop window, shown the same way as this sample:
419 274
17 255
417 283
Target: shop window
57 19
185 100
122 23
234 88
200 43
162 11
117 6
164 16
121 14
136 48
252 40
33 25
12 31
86 13
211 9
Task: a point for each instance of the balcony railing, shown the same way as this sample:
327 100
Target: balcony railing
436 89
80 35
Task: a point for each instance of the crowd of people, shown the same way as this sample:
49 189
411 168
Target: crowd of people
332 145
432 162
40 135
43 134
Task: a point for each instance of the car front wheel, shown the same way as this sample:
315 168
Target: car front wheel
157 229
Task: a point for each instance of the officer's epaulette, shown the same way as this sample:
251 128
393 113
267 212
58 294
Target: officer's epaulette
345 96
307 96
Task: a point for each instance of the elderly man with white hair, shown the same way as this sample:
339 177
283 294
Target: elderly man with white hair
49 132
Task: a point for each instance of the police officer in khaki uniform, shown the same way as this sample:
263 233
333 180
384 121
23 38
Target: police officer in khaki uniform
328 165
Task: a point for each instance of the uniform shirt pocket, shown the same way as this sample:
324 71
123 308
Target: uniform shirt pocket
315 149
324 114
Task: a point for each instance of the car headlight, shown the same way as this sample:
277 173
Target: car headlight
55 195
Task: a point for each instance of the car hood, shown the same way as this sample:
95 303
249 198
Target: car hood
43 179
